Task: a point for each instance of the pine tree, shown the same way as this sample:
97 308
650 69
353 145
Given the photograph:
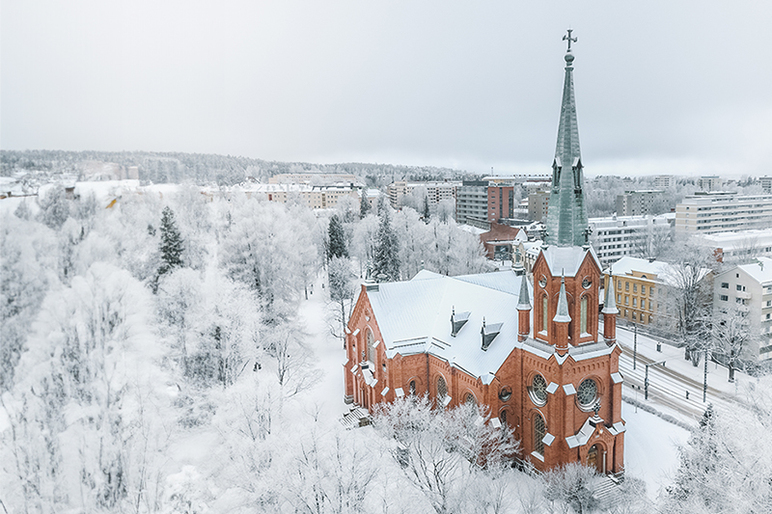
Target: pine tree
171 246
427 214
364 205
386 261
337 239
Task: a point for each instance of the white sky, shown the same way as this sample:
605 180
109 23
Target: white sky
662 86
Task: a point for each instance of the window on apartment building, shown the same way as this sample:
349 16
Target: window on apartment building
643 303
767 316
635 316
627 300
723 298
625 313
627 286
635 302
643 289
651 290
619 298
738 300
635 288
724 285
619 285
739 287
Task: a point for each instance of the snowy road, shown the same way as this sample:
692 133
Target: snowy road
670 382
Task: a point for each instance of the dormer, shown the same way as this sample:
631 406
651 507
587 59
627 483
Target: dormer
457 321
489 333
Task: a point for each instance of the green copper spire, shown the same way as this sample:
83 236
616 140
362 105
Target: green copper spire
566 214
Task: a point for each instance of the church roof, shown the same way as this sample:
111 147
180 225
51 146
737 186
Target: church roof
565 260
566 214
414 317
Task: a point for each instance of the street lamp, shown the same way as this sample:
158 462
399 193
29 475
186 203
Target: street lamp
646 379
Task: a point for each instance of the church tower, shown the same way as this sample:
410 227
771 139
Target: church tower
566 224
579 419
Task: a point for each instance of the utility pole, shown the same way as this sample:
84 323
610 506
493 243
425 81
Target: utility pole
635 344
646 379
705 378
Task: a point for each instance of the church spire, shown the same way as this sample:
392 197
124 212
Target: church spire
566 214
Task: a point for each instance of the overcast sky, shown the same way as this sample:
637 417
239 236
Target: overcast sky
662 86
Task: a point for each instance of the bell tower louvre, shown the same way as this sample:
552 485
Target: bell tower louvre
531 353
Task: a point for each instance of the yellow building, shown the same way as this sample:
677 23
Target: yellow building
639 288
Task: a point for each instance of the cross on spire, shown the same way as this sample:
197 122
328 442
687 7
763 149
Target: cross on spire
569 38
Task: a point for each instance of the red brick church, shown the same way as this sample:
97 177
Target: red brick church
531 353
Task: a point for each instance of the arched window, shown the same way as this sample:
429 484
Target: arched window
442 389
412 387
583 314
469 400
370 346
544 315
503 418
539 431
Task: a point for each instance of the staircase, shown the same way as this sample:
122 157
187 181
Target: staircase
357 417
605 491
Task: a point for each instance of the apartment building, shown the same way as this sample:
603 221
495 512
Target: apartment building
312 178
642 287
766 184
436 191
619 236
737 247
747 289
538 202
664 181
472 201
710 183
708 212
637 203
315 197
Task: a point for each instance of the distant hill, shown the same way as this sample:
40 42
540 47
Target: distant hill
176 167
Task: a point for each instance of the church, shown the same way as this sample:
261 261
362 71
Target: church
531 353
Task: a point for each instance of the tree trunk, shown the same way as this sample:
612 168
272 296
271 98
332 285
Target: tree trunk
731 371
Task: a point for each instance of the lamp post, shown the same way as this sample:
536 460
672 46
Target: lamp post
646 379
635 344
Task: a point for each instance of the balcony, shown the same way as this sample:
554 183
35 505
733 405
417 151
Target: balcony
745 295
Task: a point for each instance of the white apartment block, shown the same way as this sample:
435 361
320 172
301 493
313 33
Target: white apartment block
618 236
312 178
472 201
437 191
748 289
710 183
722 211
766 184
664 181
637 203
737 247
315 197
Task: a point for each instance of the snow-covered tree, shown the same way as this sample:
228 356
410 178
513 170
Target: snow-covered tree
386 259
364 204
336 239
171 245
54 207
731 335
342 291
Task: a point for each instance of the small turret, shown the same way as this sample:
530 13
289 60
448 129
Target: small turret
523 311
562 318
610 312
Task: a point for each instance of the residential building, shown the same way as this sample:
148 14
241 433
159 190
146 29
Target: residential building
469 340
737 247
537 205
637 203
501 201
617 236
664 181
642 287
436 191
500 240
747 290
722 211
472 201
766 184
315 197
710 183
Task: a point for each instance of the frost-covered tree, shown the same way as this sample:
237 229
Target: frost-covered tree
336 239
364 204
342 291
386 259
426 210
573 485
171 245
730 337
54 207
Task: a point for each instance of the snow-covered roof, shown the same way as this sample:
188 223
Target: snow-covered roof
472 229
760 271
565 260
665 272
414 317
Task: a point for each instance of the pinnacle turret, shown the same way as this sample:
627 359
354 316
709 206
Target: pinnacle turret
566 214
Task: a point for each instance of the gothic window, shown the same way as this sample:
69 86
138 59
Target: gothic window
539 431
503 418
538 390
412 387
587 393
583 314
544 316
442 388
469 400
370 346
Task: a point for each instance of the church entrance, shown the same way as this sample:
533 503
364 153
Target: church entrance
593 459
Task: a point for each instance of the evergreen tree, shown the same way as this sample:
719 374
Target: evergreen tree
337 239
386 260
171 243
427 214
364 205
